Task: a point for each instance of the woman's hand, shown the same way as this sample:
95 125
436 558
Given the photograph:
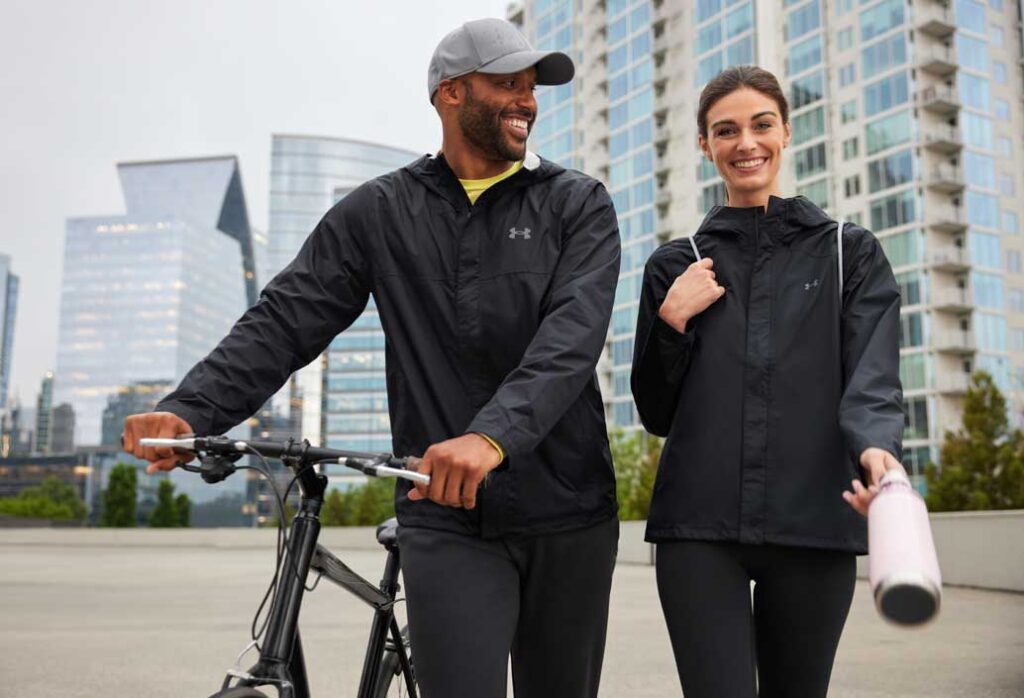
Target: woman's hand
875 462
691 293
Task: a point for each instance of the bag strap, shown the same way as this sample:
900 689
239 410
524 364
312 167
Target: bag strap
839 247
693 246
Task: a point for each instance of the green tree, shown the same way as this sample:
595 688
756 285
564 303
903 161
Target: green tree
52 499
374 502
119 497
337 509
982 464
165 514
636 457
183 507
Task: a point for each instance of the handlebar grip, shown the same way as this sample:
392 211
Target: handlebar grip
183 444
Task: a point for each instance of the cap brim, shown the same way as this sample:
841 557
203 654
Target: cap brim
553 67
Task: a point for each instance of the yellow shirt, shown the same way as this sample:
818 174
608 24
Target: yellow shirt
475 187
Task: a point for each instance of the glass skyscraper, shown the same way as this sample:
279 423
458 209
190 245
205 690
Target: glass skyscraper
343 395
906 117
8 315
146 295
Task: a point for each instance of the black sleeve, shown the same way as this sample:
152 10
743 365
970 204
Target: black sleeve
563 353
661 355
871 408
323 291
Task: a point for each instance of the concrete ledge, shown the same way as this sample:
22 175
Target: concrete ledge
976 549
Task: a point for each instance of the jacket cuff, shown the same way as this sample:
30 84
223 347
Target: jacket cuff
673 346
200 425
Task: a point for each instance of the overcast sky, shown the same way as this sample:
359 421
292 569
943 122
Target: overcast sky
85 85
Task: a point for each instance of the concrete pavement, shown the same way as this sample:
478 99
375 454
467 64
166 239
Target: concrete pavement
80 616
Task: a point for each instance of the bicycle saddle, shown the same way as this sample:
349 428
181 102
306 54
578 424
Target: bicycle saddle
387 532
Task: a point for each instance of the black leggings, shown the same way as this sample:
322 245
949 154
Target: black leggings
785 646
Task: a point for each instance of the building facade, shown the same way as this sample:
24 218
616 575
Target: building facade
146 295
8 315
44 408
343 395
906 117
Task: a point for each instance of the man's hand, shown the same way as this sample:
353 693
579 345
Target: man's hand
875 462
456 468
691 293
155 425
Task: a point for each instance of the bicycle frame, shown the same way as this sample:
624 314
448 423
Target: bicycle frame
281 661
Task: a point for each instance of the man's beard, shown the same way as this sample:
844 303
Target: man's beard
482 126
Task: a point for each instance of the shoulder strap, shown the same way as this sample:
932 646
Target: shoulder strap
693 246
839 247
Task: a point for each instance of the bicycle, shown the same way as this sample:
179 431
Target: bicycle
388 661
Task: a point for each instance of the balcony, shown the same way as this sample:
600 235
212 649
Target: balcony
935 19
946 219
942 138
662 164
945 178
937 60
953 384
958 342
514 13
939 100
952 300
663 197
949 258
662 134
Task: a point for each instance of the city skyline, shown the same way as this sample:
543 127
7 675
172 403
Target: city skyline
163 90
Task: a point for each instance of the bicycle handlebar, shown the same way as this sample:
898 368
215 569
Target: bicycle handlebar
372 464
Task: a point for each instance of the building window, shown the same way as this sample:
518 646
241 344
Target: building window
915 418
988 289
1010 224
1004 146
815 192
980 170
888 131
848 111
891 171
999 73
972 53
970 15
843 6
850 148
851 186
975 91
810 161
982 209
910 287
806 90
856 218
996 5
986 249
1013 261
1002 110
1015 300
911 332
1017 339
713 195
1006 185
881 18
995 33
808 126
804 55
913 371
886 93
886 54
893 210
845 39
847 74
803 21
902 249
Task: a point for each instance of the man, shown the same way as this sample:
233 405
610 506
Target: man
494 273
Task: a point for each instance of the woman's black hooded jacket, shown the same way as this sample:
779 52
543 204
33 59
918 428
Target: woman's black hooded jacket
773 392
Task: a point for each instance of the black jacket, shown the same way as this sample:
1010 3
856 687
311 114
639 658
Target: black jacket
773 392
494 317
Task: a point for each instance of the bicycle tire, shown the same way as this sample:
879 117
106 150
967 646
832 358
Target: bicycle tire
390 677
239 692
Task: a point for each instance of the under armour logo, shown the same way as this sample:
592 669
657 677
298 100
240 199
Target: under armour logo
513 233
811 284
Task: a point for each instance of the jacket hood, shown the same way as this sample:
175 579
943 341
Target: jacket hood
435 173
784 217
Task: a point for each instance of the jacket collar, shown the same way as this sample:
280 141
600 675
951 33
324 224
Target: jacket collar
783 219
435 174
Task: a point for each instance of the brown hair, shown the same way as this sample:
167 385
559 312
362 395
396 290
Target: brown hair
734 78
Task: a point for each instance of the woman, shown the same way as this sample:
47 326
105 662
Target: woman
774 386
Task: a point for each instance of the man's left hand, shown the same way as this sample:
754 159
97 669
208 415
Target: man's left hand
456 468
874 461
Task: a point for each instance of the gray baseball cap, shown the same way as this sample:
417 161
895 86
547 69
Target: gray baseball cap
493 46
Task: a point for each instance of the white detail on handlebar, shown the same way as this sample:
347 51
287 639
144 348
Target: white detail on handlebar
185 444
385 471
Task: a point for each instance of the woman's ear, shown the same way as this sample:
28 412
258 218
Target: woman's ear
704 147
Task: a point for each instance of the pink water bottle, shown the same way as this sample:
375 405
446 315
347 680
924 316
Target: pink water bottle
902 566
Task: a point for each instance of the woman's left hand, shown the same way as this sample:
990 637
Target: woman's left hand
876 462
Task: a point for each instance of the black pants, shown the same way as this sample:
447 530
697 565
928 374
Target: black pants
543 598
785 646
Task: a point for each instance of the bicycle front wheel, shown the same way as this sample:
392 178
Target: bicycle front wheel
394 680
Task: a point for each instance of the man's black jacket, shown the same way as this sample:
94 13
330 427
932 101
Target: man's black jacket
494 317
773 392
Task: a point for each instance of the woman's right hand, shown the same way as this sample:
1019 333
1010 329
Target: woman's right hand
691 293
158 425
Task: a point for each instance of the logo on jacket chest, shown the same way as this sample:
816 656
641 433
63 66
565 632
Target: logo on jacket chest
519 233
812 284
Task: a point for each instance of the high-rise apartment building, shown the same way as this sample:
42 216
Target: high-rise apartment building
8 314
44 409
906 116
343 396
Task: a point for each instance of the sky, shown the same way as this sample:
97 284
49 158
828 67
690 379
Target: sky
88 84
